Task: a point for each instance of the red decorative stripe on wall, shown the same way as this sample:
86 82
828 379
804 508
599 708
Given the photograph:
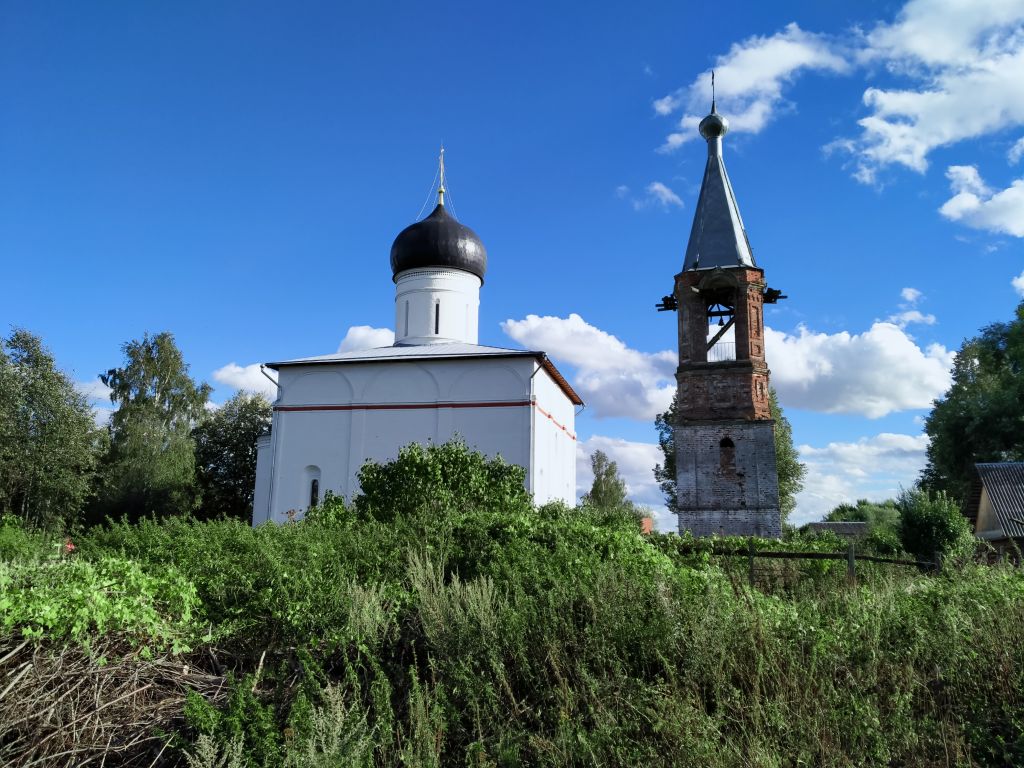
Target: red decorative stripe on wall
402 406
425 406
552 420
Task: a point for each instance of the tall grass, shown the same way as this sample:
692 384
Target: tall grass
506 635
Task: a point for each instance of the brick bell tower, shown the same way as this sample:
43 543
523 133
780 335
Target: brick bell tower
726 479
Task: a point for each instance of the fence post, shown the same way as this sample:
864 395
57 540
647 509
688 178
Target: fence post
851 564
750 560
938 562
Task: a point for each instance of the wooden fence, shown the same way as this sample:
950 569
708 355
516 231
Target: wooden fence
850 556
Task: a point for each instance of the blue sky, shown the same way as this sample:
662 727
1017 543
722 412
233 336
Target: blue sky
235 173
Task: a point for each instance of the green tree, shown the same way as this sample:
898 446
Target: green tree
787 460
608 491
48 438
665 473
150 467
880 514
931 524
226 455
791 471
981 416
883 519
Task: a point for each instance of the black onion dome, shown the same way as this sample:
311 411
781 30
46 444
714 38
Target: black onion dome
438 241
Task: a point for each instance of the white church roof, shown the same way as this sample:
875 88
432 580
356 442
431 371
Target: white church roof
450 350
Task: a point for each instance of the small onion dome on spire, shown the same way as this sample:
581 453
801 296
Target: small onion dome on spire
438 241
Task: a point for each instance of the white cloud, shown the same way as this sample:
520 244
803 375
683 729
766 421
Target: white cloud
1018 284
665 197
910 316
94 390
655 194
1016 151
248 378
965 60
872 374
101 416
873 468
749 80
978 206
636 466
366 337
613 379
911 295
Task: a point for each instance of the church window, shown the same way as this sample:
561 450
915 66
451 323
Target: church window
314 492
437 318
406 319
727 455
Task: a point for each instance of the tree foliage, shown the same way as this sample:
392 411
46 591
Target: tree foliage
787 460
436 477
48 440
608 490
150 467
931 524
791 471
874 513
665 473
981 417
882 518
226 455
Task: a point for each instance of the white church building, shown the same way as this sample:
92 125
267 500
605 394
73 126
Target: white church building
335 412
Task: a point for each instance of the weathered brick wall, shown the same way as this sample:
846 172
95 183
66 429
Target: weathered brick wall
731 491
725 390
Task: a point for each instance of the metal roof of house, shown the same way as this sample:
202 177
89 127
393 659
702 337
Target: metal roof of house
1004 482
444 351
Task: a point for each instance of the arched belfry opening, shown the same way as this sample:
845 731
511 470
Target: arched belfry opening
720 300
726 481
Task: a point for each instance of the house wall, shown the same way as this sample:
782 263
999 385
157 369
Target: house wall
330 419
554 442
987 525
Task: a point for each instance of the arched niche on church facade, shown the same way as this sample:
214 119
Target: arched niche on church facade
495 381
315 387
405 383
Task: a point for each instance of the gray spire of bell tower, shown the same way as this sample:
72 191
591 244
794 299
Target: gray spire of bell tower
717 238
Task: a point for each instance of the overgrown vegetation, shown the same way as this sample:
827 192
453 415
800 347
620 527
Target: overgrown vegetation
447 621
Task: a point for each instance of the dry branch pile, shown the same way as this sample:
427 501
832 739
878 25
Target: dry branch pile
65 706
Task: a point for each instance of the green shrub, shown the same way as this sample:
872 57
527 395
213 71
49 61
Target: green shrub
18 543
437 478
932 525
74 599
